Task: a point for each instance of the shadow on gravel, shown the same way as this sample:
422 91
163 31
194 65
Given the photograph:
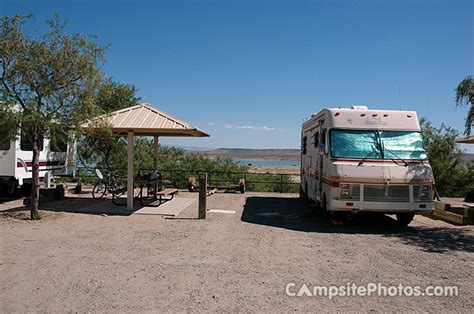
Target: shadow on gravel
296 214
80 205
4 197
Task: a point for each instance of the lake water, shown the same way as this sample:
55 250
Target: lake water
267 163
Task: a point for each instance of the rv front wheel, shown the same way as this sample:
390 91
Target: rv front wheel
11 187
404 218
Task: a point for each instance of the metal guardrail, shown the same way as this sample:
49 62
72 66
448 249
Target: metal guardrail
254 181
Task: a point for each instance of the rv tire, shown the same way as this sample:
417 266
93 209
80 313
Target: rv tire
339 215
323 204
404 218
303 193
11 187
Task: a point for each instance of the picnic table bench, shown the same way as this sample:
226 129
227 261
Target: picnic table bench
158 197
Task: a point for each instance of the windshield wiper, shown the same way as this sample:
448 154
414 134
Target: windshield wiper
367 156
377 148
405 164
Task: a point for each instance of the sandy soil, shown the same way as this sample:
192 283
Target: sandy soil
230 262
295 170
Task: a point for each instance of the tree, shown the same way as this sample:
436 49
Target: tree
47 83
113 96
465 96
452 174
102 149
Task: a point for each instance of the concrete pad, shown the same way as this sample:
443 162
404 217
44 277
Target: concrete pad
221 211
169 208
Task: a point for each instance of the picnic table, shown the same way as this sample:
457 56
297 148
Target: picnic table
151 192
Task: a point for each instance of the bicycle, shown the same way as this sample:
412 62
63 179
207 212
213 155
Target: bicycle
109 183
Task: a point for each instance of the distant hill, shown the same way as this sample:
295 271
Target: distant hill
266 154
246 153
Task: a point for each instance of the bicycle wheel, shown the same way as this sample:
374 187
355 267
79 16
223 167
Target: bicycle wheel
99 190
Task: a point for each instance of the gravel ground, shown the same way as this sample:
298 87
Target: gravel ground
230 262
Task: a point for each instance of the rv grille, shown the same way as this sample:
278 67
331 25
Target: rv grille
393 193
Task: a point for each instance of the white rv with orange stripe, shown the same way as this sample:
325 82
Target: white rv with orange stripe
355 160
56 158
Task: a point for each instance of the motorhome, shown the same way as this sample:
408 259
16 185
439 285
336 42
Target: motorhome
360 160
57 157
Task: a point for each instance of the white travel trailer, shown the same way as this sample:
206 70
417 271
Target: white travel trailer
56 158
361 160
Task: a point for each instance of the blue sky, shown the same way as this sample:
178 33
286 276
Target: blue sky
249 72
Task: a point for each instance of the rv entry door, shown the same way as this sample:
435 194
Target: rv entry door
321 149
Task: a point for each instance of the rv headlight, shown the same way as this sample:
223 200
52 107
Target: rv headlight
425 192
345 186
345 190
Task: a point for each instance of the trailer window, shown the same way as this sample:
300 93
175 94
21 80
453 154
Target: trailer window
25 142
304 144
4 144
316 139
374 144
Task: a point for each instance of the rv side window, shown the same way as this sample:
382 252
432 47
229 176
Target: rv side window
304 144
25 143
4 144
58 142
323 140
316 139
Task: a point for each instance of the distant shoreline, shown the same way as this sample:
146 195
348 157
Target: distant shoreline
254 154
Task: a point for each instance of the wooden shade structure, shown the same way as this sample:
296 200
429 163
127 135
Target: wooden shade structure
466 140
142 120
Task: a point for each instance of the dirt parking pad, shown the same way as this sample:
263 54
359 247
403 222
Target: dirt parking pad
73 261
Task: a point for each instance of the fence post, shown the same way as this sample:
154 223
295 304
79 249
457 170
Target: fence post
202 195
209 178
281 183
245 180
78 188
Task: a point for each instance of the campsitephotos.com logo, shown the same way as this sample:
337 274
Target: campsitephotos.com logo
370 289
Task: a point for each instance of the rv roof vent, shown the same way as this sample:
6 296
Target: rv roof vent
358 107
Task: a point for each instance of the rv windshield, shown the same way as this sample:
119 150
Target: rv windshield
373 144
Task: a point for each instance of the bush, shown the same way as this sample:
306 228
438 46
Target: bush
454 177
176 166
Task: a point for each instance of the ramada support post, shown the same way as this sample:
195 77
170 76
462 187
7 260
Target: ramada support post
155 158
130 171
155 153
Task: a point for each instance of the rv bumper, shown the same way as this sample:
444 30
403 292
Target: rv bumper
385 207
